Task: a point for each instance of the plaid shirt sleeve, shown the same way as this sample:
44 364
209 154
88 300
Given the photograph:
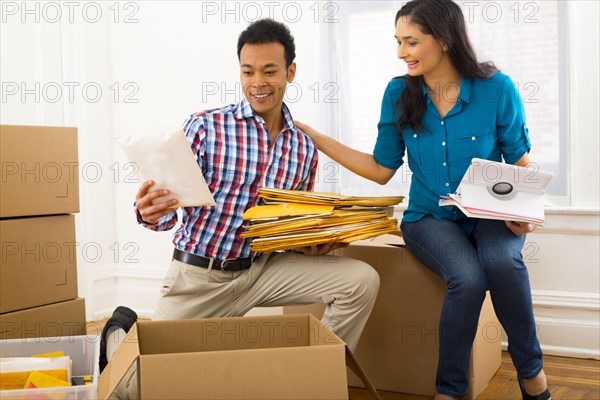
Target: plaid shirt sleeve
164 223
309 182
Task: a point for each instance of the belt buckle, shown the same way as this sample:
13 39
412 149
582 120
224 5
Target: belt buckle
223 262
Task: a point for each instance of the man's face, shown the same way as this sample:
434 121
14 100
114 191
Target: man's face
264 77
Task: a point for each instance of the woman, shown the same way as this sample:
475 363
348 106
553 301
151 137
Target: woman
447 110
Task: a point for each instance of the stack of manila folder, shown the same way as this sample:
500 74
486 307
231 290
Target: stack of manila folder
292 219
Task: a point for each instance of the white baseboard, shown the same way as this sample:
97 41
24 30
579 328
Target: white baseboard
568 323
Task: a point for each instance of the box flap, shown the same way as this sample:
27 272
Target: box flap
118 366
319 334
212 334
360 372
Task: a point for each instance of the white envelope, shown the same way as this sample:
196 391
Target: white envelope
169 161
495 187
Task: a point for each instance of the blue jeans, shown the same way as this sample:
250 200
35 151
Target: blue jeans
489 258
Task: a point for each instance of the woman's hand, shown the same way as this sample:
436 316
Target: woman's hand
520 228
313 134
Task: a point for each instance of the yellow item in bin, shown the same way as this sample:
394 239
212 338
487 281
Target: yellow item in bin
50 355
17 380
38 379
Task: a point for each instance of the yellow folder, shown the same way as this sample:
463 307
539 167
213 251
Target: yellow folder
285 210
299 196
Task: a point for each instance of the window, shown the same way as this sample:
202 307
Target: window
525 39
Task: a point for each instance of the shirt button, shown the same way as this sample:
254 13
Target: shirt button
443 143
447 184
473 138
444 164
458 100
442 122
415 135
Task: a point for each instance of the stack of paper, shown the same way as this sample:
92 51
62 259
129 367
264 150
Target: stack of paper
294 219
272 195
40 371
494 190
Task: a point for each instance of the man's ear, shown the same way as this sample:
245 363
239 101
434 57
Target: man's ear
291 72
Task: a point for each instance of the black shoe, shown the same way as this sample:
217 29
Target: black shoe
123 318
545 395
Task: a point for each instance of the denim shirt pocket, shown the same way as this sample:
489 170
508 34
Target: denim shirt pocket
477 143
418 145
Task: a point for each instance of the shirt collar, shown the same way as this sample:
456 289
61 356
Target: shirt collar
288 121
245 110
465 89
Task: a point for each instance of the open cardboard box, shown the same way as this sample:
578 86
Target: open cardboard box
399 346
264 357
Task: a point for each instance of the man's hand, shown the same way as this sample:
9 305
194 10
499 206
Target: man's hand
321 249
520 228
150 212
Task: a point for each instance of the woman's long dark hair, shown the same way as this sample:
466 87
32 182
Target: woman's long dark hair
444 20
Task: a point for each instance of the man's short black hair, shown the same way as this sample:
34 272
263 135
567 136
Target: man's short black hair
269 31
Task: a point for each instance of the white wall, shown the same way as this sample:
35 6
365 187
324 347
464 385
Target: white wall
160 66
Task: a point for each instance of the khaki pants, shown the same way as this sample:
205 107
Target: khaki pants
348 287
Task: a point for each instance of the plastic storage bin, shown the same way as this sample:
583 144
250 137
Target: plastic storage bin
84 352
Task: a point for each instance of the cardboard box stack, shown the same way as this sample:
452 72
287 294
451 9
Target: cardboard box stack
399 345
39 191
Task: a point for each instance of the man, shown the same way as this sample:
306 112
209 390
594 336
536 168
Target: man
240 148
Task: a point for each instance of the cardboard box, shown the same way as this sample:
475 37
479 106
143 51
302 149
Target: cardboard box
60 319
399 345
84 352
265 357
40 174
38 263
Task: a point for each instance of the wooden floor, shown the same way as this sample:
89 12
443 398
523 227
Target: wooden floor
568 379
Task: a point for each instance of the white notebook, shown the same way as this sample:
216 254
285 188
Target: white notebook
495 190
169 161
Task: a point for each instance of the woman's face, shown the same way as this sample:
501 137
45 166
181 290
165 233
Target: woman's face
422 53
